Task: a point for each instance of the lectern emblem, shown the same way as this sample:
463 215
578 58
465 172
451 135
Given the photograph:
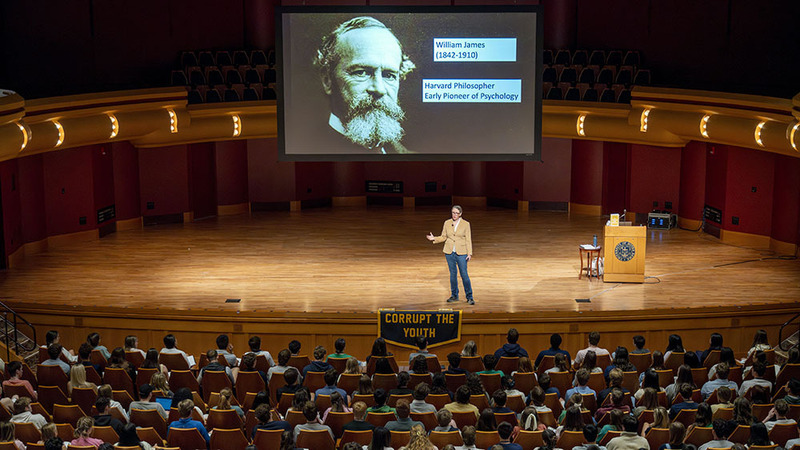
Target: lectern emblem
624 251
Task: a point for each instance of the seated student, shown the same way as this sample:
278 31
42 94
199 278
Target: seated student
294 347
300 398
615 423
84 355
724 395
684 376
381 438
629 439
291 376
572 421
224 403
117 361
185 408
318 364
104 417
589 438
15 379
555 343
537 400
264 415
402 385
144 402
129 438
359 422
529 421
312 421
83 434
225 349
52 337
510 348
454 361
574 400
338 405
339 347
255 348
590 363
702 419
380 397
132 344
620 361
617 398
648 402
722 380
403 422
214 366
439 385
378 349
560 364
615 378
714 343
330 385
382 366
582 378
422 346
721 429
759 371
444 419
778 415
793 392
171 348
650 380
500 398
419 366
105 390
151 362
638 343
94 340
677 434
504 429
418 404
462 403
544 382
54 352
281 367
508 384
468 436
23 414
686 392
364 386
594 339
725 356
248 364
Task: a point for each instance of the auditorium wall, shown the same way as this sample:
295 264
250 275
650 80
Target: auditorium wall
52 191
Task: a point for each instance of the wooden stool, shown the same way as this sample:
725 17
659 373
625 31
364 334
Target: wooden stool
593 253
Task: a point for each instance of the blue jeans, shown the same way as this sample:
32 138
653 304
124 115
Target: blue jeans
460 261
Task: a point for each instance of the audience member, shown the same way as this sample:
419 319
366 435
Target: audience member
544 382
582 380
674 344
54 352
83 433
714 343
660 420
724 395
511 348
23 414
573 420
454 361
422 349
292 385
470 349
742 411
378 349
151 362
684 376
650 380
589 439
105 390
338 405
721 429
468 435
702 418
264 415
364 386
185 408
489 364
638 344
283 360
419 365
339 350
84 358
359 415
722 380
104 417
499 399
462 403
677 434
418 404
171 348
294 347
15 379
508 383
215 366
524 366
402 385
145 401
778 415
759 371
403 422
620 361
617 402
318 364
381 439
225 349
615 378
330 385
248 364
725 356
129 438
419 439
255 348
94 340
590 363
614 423
312 421
504 429
793 392
685 391
628 439
118 361
380 396
52 337
555 344
560 364
132 344
594 339
225 395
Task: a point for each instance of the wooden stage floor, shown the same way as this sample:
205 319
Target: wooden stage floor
361 259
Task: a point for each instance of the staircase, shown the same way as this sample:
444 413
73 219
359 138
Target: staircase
790 326
18 336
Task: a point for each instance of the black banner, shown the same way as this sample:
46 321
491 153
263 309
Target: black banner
403 327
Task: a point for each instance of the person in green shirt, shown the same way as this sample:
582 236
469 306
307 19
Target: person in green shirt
380 397
339 347
489 362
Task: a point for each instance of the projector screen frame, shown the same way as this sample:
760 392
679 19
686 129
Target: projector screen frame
535 155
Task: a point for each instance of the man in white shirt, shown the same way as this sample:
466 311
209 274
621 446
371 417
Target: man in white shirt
171 347
310 413
722 380
255 347
419 405
594 339
225 349
23 414
759 369
778 415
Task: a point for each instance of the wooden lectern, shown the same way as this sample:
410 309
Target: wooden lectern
624 254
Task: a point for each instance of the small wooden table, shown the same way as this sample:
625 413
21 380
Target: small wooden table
590 254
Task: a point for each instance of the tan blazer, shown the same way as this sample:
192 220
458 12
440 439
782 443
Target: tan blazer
459 239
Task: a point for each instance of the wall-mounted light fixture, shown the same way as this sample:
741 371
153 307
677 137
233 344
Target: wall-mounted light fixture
580 125
704 125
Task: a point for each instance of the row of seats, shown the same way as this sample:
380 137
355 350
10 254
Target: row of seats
236 93
213 76
625 75
579 57
225 58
